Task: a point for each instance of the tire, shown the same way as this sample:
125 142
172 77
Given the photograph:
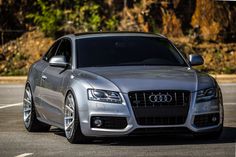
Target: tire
209 135
71 121
32 124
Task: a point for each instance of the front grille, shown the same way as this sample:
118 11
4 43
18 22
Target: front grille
207 120
169 110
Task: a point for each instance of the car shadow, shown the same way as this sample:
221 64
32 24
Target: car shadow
228 136
57 131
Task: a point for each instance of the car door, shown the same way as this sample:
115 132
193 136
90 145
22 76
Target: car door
41 66
52 85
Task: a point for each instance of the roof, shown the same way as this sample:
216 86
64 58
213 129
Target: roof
119 33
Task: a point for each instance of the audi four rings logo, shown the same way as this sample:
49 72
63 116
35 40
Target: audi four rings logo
160 98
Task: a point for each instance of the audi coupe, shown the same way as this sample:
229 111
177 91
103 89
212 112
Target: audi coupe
111 84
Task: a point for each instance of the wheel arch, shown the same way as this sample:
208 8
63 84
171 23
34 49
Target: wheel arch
79 91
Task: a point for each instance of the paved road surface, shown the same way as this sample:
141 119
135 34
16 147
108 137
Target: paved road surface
15 141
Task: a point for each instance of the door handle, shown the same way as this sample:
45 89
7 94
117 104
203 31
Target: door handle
44 77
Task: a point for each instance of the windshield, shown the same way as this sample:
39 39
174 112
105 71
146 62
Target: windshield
126 50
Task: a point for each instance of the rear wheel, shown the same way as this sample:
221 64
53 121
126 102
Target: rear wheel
29 114
71 121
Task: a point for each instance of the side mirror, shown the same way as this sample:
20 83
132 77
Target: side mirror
196 59
58 61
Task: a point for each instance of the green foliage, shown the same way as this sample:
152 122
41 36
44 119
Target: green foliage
85 17
112 23
153 25
228 70
48 19
76 16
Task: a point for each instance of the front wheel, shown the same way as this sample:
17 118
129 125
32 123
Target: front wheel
32 124
71 121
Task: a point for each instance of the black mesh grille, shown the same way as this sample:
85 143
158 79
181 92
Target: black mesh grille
168 108
110 122
207 120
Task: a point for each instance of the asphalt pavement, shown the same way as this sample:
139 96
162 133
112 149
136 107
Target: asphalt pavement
16 141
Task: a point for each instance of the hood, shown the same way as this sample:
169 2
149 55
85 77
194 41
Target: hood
138 78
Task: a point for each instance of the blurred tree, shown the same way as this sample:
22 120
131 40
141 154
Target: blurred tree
215 19
65 17
49 18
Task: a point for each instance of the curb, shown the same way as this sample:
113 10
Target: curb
13 79
22 79
231 78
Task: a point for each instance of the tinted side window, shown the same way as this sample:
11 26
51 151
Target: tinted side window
51 52
65 49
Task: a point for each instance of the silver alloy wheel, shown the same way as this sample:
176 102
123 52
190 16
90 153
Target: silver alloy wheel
69 115
27 106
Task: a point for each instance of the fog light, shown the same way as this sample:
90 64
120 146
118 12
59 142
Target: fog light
97 122
214 119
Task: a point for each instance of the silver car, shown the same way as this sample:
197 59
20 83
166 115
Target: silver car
119 84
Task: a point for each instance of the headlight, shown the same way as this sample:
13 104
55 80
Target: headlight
206 94
207 106
104 96
206 100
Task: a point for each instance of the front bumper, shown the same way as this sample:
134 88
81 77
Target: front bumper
96 109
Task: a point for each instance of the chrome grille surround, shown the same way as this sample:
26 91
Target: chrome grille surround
169 108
